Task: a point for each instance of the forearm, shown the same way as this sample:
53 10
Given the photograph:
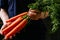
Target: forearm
3 16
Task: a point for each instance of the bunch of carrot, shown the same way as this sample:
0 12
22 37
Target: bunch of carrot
17 23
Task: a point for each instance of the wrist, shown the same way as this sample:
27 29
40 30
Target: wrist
4 16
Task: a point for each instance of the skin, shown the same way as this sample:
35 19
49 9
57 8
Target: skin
36 15
4 17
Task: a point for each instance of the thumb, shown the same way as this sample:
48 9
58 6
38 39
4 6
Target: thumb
3 26
2 29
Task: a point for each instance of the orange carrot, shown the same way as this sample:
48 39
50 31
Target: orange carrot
10 27
19 27
15 17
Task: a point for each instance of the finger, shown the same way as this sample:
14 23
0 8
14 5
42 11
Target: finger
31 14
6 25
42 15
46 14
3 26
4 38
2 29
32 10
1 32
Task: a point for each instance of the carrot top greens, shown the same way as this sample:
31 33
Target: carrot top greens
52 8
41 5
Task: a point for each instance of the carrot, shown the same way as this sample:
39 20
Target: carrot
24 24
10 27
15 17
19 27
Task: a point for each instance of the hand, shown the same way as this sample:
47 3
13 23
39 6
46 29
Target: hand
36 15
4 26
4 17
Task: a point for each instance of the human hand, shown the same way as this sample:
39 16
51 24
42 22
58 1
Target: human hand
4 26
36 15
